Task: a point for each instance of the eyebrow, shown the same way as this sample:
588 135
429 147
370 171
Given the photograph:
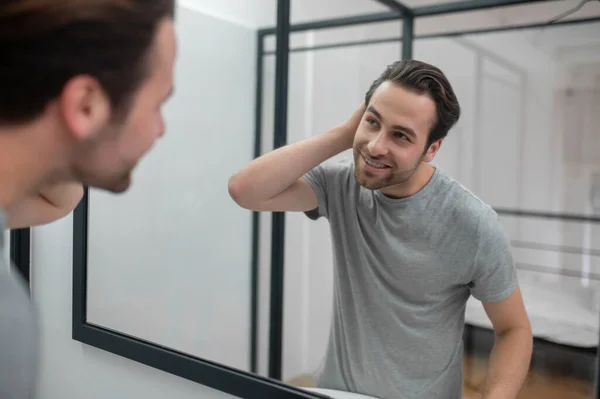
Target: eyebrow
404 129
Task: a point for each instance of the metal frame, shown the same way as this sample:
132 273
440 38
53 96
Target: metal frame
20 252
393 39
226 379
254 266
278 218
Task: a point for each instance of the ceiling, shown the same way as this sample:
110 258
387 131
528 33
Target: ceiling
572 45
262 13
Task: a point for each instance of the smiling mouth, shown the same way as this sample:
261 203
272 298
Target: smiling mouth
375 165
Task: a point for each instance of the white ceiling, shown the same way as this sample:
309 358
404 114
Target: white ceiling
262 13
571 45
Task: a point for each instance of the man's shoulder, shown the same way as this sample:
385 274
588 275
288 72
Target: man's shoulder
340 166
463 204
19 335
333 171
332 182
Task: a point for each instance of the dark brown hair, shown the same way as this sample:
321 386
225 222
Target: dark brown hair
45 43
423 78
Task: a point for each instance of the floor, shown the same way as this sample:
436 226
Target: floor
539 383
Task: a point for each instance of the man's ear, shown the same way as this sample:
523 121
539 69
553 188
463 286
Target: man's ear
432 150
84 106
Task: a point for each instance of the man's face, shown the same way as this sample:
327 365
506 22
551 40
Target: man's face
391 139
107 159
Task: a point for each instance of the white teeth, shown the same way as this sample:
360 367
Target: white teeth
375 165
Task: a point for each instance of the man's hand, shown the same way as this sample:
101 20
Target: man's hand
274 181
351 124
50 204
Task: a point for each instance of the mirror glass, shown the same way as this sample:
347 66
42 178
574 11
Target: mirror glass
527 141
327 82
169 261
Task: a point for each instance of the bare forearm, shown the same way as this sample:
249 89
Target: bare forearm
509 363
272 173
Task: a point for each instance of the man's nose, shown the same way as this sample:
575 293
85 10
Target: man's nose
378 146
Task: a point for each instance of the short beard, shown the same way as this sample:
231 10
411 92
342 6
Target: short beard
393 179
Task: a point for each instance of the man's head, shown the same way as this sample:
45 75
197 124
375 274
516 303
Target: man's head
409 110
83 82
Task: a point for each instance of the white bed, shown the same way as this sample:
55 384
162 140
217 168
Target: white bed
561 309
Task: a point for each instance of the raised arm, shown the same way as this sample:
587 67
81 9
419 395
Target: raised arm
273 182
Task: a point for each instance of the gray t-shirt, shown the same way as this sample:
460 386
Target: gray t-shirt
18 332
403 271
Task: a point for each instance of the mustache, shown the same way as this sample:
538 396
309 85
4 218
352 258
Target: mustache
362 150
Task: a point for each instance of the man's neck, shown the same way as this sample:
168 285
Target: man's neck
24 166
416 183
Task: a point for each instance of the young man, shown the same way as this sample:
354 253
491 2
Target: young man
82 84
410 244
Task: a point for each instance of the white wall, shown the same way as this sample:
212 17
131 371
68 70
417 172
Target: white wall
211 115
505 148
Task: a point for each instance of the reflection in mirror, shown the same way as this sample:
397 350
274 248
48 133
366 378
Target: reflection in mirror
325 87
169 261
526 140
539 153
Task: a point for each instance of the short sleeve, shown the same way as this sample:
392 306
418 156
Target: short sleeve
495 274
329 181
317 180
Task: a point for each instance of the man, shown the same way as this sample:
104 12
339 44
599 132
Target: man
410 244
82 88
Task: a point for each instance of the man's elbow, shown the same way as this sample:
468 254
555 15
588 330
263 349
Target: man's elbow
238 192
522 333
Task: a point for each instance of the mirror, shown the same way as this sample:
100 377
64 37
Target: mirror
174 261
526 142
169 262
